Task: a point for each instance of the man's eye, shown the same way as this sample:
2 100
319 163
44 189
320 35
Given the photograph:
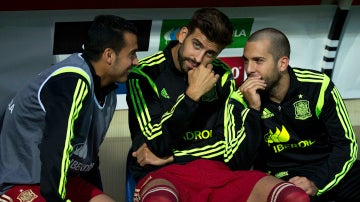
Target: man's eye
133 55
211 55
196 45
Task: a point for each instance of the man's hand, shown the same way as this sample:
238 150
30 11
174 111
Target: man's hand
250 89
307 185
201 80
146 157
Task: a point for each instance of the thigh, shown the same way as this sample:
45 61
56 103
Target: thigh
79 190
186 180
241 186
348 188
205 180
20 193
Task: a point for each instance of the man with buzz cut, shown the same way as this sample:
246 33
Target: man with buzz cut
308 138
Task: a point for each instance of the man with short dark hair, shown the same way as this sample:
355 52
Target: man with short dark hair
53 128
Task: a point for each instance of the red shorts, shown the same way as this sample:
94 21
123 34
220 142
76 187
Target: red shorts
77 190
205 180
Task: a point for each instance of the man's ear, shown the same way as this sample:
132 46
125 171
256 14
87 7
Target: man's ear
107 55
182 34
283 63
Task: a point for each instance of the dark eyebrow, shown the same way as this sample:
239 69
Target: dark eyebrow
197 41
253 58
213 52
258 58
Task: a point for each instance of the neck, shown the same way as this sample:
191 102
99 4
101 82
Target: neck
278 92
100 72
175 56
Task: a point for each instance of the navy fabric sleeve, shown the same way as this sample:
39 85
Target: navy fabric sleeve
212 148
62 97
244 135
94 175
342 138
149 122
239 136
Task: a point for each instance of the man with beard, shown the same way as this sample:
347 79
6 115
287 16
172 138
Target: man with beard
308 138
181 123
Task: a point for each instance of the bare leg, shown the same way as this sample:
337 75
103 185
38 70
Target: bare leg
156 182
272 189
159 190
102 198
262 188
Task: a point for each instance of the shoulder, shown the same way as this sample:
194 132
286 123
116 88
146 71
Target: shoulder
308 75
221 65
221 68
70 75
73 66
312 82
151 61
148 65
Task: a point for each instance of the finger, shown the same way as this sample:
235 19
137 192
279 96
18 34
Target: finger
139 152
143 145
141 148
247 83
254 85
139 160
294 179
216 78
191 72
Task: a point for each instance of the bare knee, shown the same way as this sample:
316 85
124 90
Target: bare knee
159 190
288 192
102 198
272 189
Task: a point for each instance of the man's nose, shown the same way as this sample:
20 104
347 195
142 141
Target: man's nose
249 67
199 57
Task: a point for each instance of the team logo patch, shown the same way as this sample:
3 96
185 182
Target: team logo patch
164 93
27 196
210 96
266 114
302 110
